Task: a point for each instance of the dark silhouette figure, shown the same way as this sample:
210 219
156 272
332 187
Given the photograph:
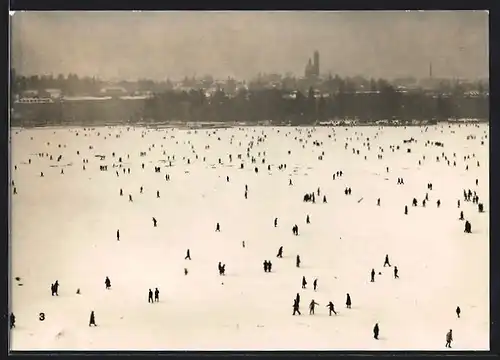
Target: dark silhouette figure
280 252
458 311
12 320
150 296
92 319
130 198
154 222
376 331
461 215
324 199
331 309
438 203
217 227
467 227
118 235
188 255
269 266
406 209
315 284
157 295
348 301
311 307
107 282
157 194
304 282
396 271
386 261
266 265
296 307
372 275
275 222
55 288
297 261
378 202
449 339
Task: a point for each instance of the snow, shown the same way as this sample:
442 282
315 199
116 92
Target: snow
64 228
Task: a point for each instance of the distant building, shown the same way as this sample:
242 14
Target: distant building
312 67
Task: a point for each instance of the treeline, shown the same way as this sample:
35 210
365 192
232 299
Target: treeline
297 108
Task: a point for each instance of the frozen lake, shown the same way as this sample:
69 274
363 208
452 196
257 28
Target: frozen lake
63 227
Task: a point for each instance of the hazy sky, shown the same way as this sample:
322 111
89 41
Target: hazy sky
158 45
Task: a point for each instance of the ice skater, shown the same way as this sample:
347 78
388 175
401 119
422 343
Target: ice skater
386 261
12 320
217 227
55 288
312 304
150 296
348 301
92 319
275 222
280 252
118 235
107 282
372 276
308 220
188 255
396 271
315 284
304 282
376 331
296 307
458 311
449 338
157 295
331 309
154 222
297 261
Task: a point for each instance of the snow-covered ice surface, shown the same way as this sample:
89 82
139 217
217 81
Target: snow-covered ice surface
63 227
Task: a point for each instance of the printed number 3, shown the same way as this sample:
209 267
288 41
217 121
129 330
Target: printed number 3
41 316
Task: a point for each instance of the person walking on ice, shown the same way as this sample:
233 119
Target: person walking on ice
386 262
458 311
92 319
304 282
372 274
331 309
280 252
376 331
150 297
297 261
311 307
396 276
348 301
296 307
157 295
449 338
315 284
107 282
12 320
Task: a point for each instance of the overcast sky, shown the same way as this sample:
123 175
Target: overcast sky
131 45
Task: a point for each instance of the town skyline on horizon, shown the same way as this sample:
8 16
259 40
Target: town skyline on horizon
129 46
